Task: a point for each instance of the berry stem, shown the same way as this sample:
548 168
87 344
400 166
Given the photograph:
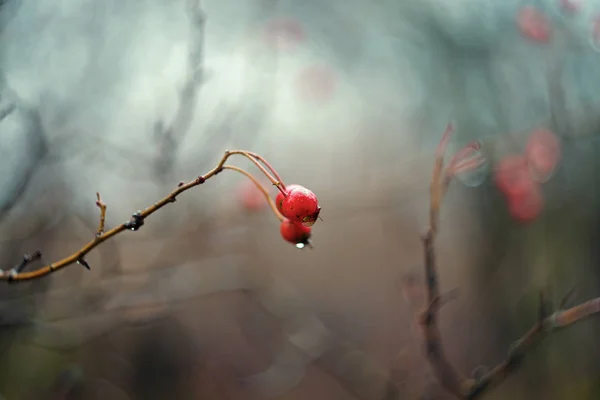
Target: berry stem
260 187
250 156
270 168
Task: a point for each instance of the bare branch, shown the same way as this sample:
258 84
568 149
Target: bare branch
447 375
137 219
7 111
169 137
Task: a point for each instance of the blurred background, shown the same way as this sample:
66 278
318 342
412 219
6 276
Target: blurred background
347 97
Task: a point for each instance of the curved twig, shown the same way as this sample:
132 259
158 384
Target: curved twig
135 223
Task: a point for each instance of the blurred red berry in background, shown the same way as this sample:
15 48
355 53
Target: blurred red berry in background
534 24
522 193
570 6
525 206
315 83
284 34
512 175
251 197
543 153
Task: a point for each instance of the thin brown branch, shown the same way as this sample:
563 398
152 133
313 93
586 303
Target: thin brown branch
271 169
136 221
102 206
447 375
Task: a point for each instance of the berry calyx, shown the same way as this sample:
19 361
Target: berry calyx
295 233
300 205
543 153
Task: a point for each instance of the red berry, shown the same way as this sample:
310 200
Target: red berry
543 153
280 197
295 232
533 24
300 205
526 206
512 175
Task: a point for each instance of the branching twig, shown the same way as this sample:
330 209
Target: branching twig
138 218
102 208
447 375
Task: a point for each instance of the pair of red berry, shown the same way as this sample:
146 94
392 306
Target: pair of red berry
519 176
300 209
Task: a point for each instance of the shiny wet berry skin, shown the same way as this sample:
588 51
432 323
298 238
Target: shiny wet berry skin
300 205
280 196
294 232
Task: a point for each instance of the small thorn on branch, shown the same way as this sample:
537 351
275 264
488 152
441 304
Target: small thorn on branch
136 222
84 263
102 206
27 259
568 297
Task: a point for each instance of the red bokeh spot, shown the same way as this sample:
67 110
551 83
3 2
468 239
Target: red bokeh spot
596 31
251 197
316 83
513 178
526 206
543 153
571 6
284 34
512 175
534 24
